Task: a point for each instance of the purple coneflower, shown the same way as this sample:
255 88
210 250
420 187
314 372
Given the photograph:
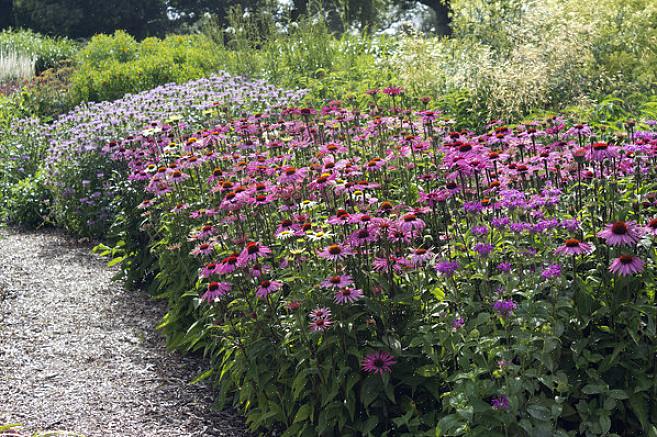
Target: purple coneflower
378 362
573 246
348 295
215 291
626 265
621 233
267 287
334 252
337 281
320 324
251 252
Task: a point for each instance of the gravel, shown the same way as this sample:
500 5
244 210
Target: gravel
80 354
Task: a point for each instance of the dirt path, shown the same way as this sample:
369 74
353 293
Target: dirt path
78 353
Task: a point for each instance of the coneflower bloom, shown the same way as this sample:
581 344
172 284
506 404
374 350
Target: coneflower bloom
651 227
320 324
209 270
419 256
251 252
410 222
621 233
626 265
337 281
227 265
267 287
335 252
216 290
320 313
348 295
573 246
378 362
203 249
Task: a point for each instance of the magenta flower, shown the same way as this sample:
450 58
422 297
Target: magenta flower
447 268
348 295
335 252
573 246
208 270
203 249
267 287
626 265
504 307
337 281
551 271
320 324
621 233
419 256
227 265
320 313
251 252
215 291
500 402
378 362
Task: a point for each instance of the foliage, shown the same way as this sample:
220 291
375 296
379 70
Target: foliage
45 51
449 260
508 57
111 66
84 18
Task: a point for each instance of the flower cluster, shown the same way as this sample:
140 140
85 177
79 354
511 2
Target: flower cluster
343 233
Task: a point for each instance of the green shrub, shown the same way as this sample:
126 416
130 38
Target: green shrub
112 66
46 52
27 201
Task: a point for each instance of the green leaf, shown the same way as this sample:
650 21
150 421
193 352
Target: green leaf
202 376
640 408
303 413
591 389
539 412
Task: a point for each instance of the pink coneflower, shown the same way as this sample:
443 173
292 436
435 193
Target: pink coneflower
348 295
621 233
203 249
573 246
337 281
410 222
378 362
319 325
267 287
419 256
651 227
208 270
601 151
626 265
334 252
251 252
363 236
216 290
320 313
227 265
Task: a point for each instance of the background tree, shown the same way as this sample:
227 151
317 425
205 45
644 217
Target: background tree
6 14
83 18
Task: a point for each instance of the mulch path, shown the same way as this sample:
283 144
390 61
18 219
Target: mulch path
80 354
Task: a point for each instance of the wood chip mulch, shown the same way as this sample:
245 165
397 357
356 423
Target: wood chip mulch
80 354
